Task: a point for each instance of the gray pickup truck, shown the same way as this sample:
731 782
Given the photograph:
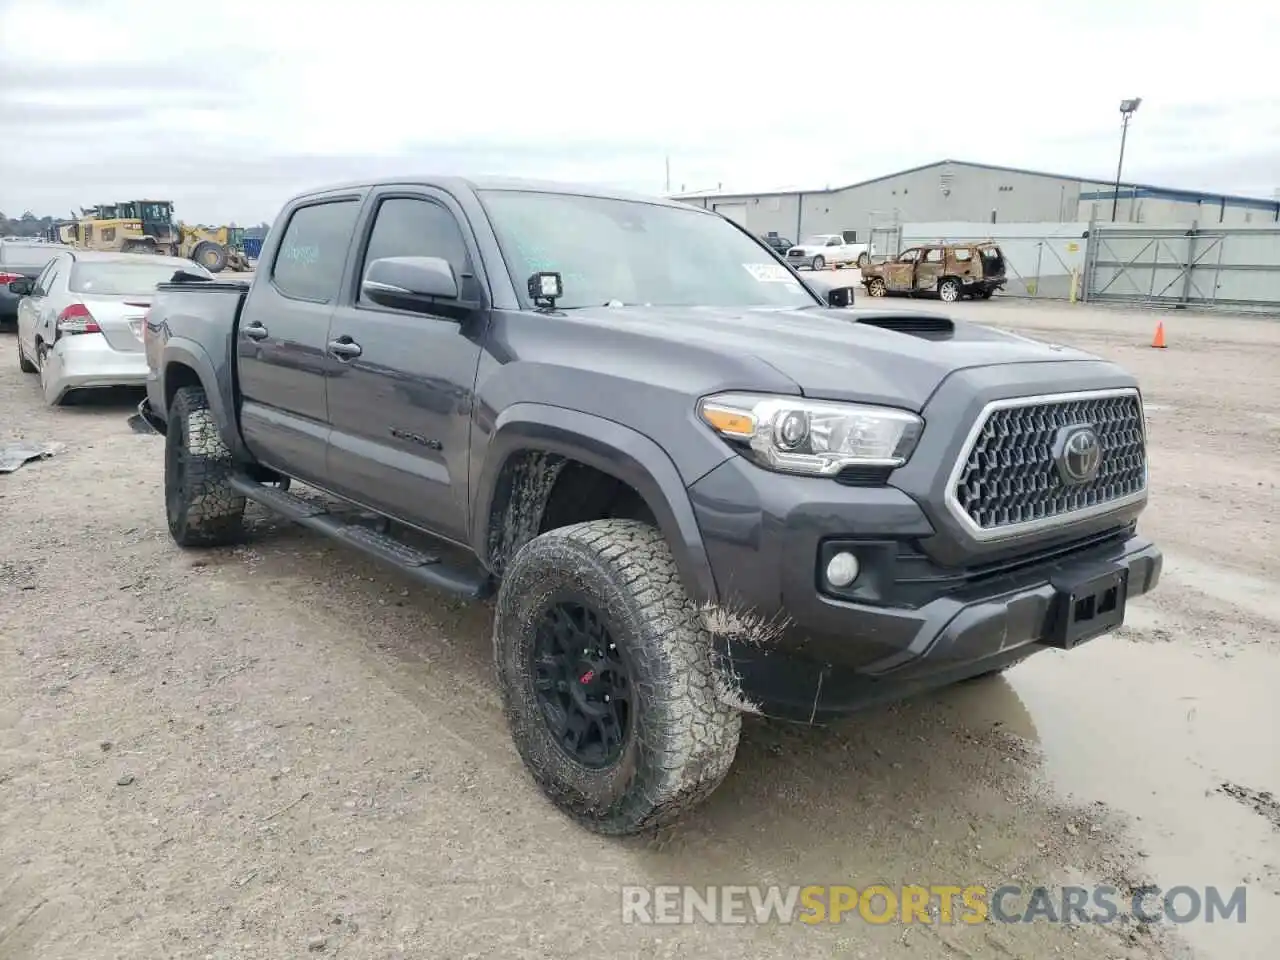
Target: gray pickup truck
698 486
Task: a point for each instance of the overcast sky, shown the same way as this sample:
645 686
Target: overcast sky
113 99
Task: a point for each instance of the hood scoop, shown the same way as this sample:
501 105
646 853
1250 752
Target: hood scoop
924 325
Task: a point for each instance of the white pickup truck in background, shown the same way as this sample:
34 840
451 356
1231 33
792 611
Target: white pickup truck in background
830 250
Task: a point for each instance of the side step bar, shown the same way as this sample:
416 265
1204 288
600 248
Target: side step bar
426 568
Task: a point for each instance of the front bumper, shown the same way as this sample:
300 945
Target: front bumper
87 361
793 649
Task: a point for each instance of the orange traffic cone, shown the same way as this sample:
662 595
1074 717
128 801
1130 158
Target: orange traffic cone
1158 340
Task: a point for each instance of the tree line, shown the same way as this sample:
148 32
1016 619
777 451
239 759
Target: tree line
29 225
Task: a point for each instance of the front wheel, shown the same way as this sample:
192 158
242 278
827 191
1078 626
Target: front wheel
819 263
876 288
949 290
608 677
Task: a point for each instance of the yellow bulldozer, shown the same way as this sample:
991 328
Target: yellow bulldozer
147 226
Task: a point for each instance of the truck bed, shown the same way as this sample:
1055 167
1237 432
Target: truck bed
197 318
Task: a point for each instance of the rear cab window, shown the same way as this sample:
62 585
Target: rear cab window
308 263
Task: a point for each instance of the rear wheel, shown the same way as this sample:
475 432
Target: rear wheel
607 677
949 290
876 287
819 263
211 256
863 260
202 508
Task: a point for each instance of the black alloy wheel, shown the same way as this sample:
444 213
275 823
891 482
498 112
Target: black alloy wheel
581 683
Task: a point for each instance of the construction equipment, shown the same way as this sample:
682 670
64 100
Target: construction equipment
147 226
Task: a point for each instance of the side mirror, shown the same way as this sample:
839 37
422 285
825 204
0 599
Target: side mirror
21 288
409 283
840 297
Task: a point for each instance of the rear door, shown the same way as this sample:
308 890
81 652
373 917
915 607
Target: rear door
39 312
280 340
929 269
400 408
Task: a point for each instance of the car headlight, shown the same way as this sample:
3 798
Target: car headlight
817 437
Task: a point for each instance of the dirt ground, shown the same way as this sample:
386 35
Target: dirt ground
283 750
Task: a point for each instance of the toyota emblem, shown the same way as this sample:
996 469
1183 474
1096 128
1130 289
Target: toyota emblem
1078 454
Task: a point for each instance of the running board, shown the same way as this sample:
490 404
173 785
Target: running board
426 568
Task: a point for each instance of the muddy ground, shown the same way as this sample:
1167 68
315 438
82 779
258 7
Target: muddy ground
283 750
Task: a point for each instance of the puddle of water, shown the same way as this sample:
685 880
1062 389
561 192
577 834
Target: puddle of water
1153 730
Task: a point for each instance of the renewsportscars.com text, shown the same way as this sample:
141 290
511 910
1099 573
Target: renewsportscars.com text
934 903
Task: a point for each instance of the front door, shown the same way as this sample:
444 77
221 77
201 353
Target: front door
900 274
280 341
929 270
401 406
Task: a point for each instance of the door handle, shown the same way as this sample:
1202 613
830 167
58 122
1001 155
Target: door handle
256 331
345 348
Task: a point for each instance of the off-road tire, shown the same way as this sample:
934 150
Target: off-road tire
25 365
818 263
681 737
202 508
949 290
211 256
876 287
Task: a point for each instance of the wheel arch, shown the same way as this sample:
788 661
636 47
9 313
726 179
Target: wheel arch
529 448
187 363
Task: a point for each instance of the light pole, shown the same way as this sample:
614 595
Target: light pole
1127 109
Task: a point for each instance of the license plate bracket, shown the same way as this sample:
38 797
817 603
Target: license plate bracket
1087 604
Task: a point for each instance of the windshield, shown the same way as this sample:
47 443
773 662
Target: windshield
155 211
636 253
114 279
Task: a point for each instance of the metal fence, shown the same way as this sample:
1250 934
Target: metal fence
1233 268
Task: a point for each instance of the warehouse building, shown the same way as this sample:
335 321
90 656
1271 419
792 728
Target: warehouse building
954 191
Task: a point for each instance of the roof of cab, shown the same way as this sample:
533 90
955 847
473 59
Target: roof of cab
453 184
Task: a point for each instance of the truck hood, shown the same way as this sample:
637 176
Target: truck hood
851 354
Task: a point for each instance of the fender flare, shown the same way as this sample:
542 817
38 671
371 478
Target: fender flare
613 449
189 353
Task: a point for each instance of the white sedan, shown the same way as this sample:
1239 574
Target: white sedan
80 320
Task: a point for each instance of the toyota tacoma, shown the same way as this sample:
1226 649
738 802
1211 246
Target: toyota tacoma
696 486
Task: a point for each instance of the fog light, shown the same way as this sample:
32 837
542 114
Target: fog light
842 569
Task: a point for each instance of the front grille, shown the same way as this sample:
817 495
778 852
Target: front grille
1008 478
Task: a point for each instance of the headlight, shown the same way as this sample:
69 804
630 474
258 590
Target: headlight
817 437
